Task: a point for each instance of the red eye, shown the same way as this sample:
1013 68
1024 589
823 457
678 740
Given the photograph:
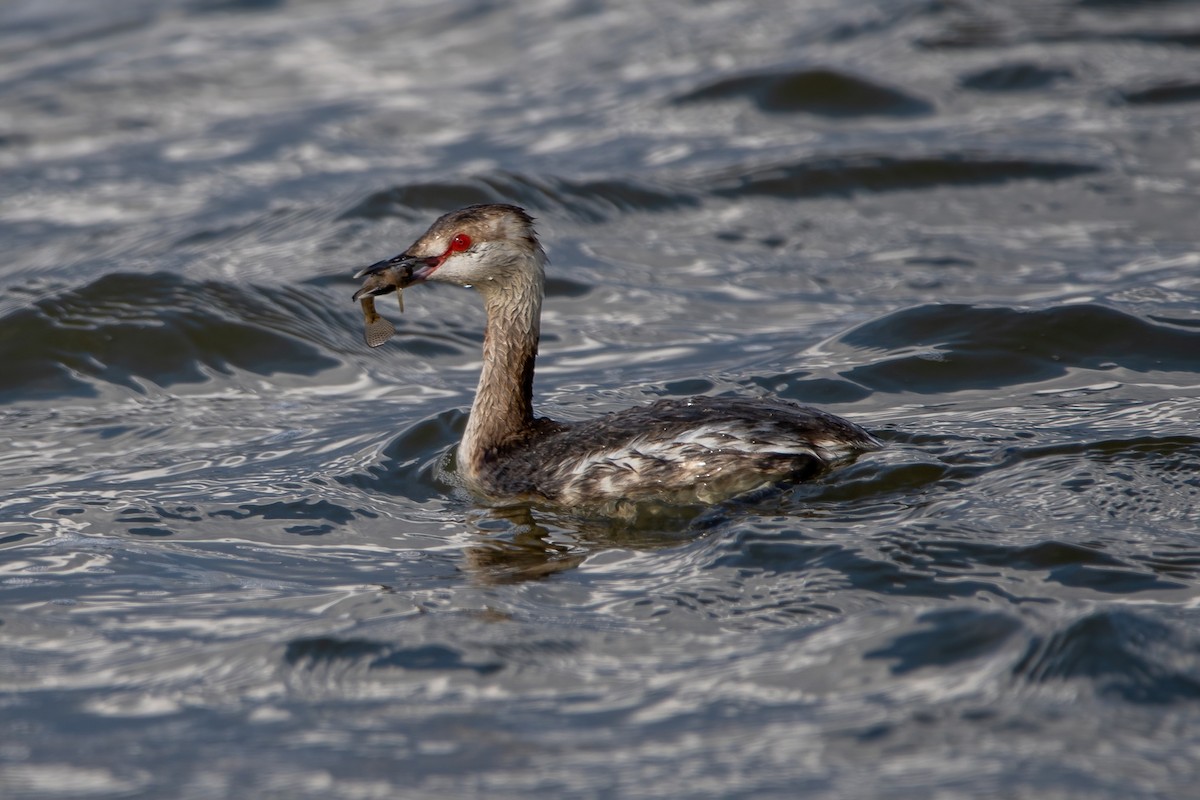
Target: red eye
459 243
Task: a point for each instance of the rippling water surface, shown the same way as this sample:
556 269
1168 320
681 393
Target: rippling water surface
232 563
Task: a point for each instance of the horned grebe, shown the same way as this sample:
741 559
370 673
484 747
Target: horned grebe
697 450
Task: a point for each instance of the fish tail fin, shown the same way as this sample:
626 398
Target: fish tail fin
379 330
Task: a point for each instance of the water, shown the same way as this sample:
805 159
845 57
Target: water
232 565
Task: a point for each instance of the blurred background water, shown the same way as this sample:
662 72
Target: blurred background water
231 564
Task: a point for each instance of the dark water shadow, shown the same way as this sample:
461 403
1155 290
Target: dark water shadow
978 26
322 516
1172 92
1016 76
417 464
205 7
1066 563
822 92
802 387
846 175
949 637
960 347
885 566
324 652
124 328
1122 654
591 201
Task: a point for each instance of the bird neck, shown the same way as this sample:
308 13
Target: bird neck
503 407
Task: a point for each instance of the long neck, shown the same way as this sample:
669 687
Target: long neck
503 407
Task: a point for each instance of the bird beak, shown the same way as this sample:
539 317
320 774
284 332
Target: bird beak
384 277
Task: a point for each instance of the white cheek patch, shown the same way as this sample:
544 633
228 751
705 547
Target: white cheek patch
462 268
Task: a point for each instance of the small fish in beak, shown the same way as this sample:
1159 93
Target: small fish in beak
382 278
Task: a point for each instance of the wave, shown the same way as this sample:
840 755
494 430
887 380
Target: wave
1017 76
124 329
867 172
1163 93
584 200
1124 654
597 201
946 348
823 92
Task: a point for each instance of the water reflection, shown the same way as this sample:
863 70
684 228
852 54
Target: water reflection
519 543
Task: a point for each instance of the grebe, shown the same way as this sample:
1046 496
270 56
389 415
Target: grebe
698 450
